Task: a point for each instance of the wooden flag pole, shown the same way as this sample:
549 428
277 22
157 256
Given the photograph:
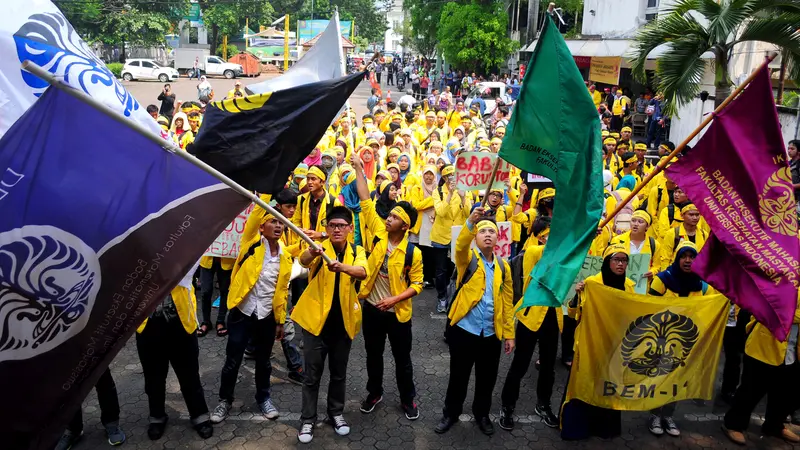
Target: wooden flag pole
666 160
168 146
491 180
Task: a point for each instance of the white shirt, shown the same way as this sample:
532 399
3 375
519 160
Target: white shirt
407 99
259 299
636 249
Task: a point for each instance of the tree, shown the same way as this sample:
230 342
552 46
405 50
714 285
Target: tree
369 23
419 33
475 35
694 27
228 17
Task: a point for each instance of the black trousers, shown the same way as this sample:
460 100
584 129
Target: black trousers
467 350
428 263
389 78
109 404
377 326
163 343
240 329
568 338
733 344
207 289
378 74
442 264
547 336
336 348
759 379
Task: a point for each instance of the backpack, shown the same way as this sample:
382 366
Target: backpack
622 221
676 231
517 275
313 273
407 263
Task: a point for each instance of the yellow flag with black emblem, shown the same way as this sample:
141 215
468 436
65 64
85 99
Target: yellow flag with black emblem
637 352
259 139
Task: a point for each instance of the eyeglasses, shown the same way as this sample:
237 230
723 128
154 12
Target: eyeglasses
338 226
619 260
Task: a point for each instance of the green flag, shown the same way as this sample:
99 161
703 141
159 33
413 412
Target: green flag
555 132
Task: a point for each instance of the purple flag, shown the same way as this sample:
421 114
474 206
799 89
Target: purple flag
738 176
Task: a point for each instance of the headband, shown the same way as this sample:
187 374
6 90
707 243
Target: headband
686 244
366 120
385 174
401 213
624 129
631 160
616 248
640 146
448 170
546 193
610 140
689 207
393 166
317 172
486 224
642 215
615 135
384 185
430 168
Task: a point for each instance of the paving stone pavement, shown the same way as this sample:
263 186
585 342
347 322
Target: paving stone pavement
386 427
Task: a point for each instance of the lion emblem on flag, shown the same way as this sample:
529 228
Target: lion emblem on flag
657 344
48 283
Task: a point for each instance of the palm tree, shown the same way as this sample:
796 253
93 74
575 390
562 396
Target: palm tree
694 27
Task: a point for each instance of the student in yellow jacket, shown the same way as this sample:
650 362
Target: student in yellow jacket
638 241
771 368
257 302
481 322
535 324
394 277
167 337
422 199
448 203
313 206
330 314
687 231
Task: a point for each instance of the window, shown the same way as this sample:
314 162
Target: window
148 65
651 10
650 17
193 39
652 3
134 64
214 60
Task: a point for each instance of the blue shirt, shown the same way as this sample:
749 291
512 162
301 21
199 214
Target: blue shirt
480 319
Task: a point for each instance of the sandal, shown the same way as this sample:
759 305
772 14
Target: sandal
221 330
203 330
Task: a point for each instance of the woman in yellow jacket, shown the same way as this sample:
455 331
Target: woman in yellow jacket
638 241
771 368
421 197
330 314
689 230
394 277
448 204
481 321
167 337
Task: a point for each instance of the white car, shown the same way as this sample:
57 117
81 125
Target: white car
489 91
147 69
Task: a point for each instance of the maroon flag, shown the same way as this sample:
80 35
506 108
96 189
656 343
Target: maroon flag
738 176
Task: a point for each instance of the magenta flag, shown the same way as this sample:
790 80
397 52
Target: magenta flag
738 176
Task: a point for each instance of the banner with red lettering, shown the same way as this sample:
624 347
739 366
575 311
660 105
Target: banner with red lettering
502 249
227 243
474 170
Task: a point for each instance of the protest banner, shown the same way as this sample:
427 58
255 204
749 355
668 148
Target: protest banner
501 250
605 70
226 245
638 265
474 170
591 266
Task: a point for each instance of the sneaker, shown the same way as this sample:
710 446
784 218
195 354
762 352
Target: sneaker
306 433
670 427
655 425
204 429
441 306
340 425
115 434
411 410
68 439
296 377
221 412
506 421
547 415
269 410
369 403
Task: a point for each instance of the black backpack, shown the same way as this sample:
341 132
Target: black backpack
454 287
407 263
314 271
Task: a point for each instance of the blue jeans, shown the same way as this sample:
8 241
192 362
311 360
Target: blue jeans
654 130
240 329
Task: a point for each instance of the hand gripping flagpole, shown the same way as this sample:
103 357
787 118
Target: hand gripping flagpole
168 146
667 159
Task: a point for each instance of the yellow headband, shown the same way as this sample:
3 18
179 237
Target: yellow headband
640 146
266 218
314 170
616 248
687 208
385 185
393 166
401 213
686 244
430 168
615 135
486 224
632 159
546 193
385 174
610 140
366 120
624 129
643 215
449 170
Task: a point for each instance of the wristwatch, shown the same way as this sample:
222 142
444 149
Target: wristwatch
324 235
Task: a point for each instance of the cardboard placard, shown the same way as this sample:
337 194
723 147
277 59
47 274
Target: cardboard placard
474 170
227 243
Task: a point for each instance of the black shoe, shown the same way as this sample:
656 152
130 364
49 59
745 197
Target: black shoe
411 410
485 425
204 430
445 424
547 415
369 403
156 430
506 418
296 377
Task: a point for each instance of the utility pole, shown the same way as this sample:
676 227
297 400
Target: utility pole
533 21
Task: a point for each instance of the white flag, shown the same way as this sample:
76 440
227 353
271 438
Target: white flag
36 30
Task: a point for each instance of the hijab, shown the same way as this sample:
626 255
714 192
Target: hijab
384 205
627 182
678 281
353 203
314 160
611 279
429 188
369 167
204 84
404 173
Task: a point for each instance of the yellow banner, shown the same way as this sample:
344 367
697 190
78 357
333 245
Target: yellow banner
605 69
637 352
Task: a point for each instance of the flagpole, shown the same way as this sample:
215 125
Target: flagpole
667 159
168 146
491 180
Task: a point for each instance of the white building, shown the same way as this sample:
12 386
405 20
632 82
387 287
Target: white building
395 18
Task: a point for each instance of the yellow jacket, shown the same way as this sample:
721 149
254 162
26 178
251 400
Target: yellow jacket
763 346
597 278
658 288
311 311
666 252
397 278
185 304
472 292
600 243
226 263
446 213
648 247
248 269
302 218
533 316
416 196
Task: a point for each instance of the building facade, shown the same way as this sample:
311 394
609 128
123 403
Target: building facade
395 18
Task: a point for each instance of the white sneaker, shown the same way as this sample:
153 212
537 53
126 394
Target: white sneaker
340 425
671 427
655 425
221 412
306 433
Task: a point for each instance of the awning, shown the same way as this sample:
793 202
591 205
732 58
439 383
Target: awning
609 47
